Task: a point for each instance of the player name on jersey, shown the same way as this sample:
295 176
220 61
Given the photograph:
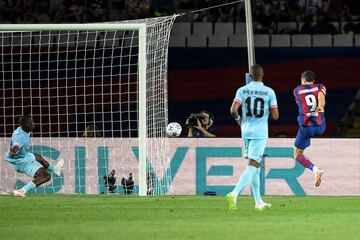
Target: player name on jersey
251 92
314 89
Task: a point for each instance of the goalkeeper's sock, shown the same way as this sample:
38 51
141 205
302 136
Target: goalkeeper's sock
303 160
29 186
245 178
255 186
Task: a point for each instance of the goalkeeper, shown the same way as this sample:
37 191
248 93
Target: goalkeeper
23 161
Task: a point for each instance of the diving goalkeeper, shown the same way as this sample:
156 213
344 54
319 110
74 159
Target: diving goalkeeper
24 161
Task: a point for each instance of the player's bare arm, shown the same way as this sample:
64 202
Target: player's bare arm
234 111
274 113
321 102
14 150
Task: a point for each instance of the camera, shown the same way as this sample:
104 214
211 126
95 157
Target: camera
193 118
191 121
128 184
110 181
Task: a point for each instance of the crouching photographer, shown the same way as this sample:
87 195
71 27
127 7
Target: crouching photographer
128 184
200 124
110 182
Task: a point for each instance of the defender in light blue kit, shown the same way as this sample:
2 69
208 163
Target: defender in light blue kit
257 102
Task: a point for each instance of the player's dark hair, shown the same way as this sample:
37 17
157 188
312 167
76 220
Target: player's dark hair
256 72
309 76
24 119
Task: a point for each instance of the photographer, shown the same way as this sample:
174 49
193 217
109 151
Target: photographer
200 124
128 184
110 181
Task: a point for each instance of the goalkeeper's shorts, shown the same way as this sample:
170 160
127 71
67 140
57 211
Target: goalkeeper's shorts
27 165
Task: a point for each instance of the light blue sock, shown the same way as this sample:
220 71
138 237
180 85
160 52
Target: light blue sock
51 167
245 178
255 186
29 186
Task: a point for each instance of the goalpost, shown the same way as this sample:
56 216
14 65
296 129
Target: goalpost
98 97
249 38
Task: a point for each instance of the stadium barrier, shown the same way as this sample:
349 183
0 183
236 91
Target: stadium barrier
197 166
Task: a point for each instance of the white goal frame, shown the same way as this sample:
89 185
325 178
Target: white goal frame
142 65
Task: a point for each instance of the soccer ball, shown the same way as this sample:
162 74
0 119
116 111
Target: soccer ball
173 129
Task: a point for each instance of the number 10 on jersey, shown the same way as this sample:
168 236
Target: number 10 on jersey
254 107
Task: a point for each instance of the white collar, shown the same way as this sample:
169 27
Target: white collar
254 82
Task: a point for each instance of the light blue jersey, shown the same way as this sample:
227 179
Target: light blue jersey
24 161
21 139
256 100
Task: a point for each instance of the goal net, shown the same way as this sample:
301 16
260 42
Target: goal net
98 97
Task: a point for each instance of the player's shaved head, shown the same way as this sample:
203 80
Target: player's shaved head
26 123
256 72
308 76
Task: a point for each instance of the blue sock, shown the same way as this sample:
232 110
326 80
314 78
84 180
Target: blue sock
29 186
51 167
245 178
255 186
312 167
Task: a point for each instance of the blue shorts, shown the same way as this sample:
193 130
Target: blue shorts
27 164
254 148
304 134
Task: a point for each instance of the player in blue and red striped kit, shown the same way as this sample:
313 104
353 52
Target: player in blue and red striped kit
310 98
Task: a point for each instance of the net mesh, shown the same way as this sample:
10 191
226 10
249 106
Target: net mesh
82 90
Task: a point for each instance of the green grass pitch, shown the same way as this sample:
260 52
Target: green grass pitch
180 217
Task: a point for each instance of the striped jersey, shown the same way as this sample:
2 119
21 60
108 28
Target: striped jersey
306 97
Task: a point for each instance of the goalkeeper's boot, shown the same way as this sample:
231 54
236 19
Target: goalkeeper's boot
232 201
58 167
262 206
318 175
19 193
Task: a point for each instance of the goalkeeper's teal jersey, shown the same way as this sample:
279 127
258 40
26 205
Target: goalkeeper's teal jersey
21 139
256 99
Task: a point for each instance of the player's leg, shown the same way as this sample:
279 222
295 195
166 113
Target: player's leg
56 169
32 168
302 141
245 177
256 151
302 159
41 176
